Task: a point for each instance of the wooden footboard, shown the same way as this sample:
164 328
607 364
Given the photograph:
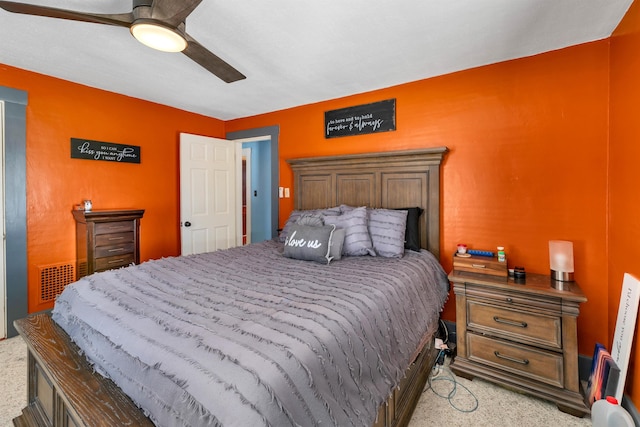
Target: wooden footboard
63 390
400 406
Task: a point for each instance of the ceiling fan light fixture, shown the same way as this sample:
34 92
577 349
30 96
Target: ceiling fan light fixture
158 37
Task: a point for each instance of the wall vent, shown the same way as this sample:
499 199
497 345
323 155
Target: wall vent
53 279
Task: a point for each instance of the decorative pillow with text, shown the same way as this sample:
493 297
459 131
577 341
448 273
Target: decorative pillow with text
309 243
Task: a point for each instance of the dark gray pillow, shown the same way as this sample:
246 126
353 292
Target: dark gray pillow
357 241
309 243
412 233
387 229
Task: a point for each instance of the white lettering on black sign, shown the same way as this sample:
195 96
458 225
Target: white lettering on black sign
362 119
107 151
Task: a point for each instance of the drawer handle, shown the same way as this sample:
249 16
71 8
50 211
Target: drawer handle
510 322
478 266
116 261
509 300
117 249
116 238
511 359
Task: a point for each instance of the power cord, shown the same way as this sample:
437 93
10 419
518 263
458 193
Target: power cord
440 373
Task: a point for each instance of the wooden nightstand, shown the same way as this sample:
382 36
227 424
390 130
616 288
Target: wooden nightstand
522 336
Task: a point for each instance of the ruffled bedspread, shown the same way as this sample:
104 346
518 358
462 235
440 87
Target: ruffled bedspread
247 337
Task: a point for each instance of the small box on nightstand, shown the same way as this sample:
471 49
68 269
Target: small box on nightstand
480 265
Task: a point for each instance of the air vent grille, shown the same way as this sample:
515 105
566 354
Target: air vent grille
53 279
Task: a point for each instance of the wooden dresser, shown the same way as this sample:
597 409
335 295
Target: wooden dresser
522 336
106 239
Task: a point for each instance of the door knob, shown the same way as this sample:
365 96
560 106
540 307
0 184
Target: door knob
187 224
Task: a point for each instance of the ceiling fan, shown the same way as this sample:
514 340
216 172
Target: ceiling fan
152 22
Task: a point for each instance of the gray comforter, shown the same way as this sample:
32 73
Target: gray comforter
247 337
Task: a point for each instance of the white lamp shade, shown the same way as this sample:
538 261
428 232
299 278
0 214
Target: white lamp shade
561 259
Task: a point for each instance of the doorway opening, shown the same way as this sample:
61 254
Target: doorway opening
267 214
258 188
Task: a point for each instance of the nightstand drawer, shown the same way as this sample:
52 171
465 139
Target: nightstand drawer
552 306
117 261
515 325
538 365
114 238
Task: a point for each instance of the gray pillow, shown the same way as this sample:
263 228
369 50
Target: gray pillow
346 208
387 229
337 242
357 241
309 243
296 214
310 219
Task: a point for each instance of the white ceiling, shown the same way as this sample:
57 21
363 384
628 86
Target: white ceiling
297 52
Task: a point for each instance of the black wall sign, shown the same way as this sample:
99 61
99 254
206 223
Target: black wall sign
362 119
107 151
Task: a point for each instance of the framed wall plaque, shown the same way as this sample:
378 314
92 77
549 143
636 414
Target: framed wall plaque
361 119
106 151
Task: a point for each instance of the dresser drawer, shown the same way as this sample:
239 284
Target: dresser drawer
114 227
114 238
117 261
536 364
517 325
111 250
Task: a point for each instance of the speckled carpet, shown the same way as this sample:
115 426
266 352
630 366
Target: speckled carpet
13 379
475 403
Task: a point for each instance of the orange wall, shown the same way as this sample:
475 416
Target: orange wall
528 159
58 110
528 162
624 154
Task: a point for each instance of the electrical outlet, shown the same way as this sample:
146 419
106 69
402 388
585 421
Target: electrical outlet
286 193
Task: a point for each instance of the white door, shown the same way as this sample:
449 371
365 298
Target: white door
208 189
3 282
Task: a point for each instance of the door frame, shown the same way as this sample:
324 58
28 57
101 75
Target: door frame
15 213
246 156
3 278
240 142
261 134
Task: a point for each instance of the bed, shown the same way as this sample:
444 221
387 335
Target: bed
313 344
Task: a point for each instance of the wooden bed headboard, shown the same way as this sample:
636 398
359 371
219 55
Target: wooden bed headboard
394 179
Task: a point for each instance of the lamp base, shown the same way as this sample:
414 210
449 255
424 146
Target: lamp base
562 276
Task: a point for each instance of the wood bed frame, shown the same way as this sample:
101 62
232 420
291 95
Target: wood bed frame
63 390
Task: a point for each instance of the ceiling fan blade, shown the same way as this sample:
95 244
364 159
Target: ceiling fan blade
173 12
119 19
211 62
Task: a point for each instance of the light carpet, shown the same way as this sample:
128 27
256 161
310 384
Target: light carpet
494 406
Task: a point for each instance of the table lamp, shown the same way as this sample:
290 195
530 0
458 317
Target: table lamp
561 260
